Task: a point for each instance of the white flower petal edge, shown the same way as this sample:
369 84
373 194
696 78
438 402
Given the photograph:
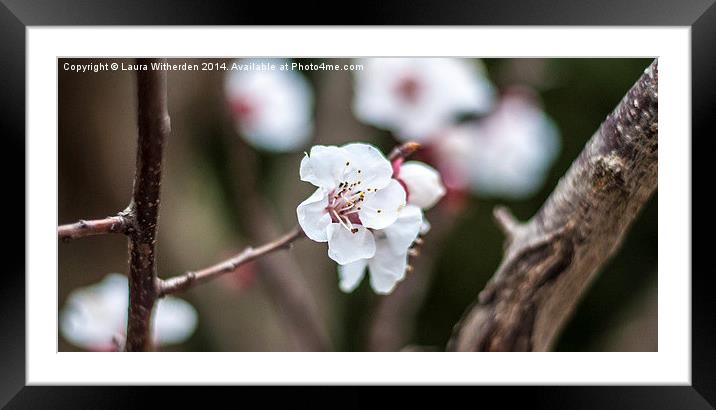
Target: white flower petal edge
423 182
93 315
346 246
312 216
405 230
350 275
324 166
376 171
386 270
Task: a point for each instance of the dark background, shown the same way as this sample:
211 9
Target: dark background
201 221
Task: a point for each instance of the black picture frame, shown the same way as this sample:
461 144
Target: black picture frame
16 15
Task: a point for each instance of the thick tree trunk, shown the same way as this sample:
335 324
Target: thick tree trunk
551 259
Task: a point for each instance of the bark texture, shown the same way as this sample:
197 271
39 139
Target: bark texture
153 131
550 260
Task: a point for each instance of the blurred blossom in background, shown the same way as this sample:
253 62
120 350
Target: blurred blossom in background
417 97
95 315
494 131
272 109
507 154
504 149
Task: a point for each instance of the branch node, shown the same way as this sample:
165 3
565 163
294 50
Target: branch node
83 227
506 221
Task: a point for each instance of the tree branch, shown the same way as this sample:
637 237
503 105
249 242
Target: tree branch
280 276
153 130
550 260
139 223
111 224
191 279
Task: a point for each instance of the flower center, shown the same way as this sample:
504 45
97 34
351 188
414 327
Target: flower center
408 89
243 108
345 202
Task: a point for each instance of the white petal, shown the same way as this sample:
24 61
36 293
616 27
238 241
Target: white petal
380 209
346 247
351 275
386 269
324 166
174 321
375 169
94 314
313 217
401 234
425 187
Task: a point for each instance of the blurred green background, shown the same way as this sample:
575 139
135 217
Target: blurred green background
209 169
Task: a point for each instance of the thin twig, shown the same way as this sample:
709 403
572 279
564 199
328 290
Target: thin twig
83 228
507 222
191 279
280 276
153 131
550 264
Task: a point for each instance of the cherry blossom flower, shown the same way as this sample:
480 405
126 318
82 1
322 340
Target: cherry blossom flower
94 315
355 196
506 154
272 109
389 264
417 97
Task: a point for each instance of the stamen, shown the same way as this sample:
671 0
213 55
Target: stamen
348 221
346 199
346 207
339 219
